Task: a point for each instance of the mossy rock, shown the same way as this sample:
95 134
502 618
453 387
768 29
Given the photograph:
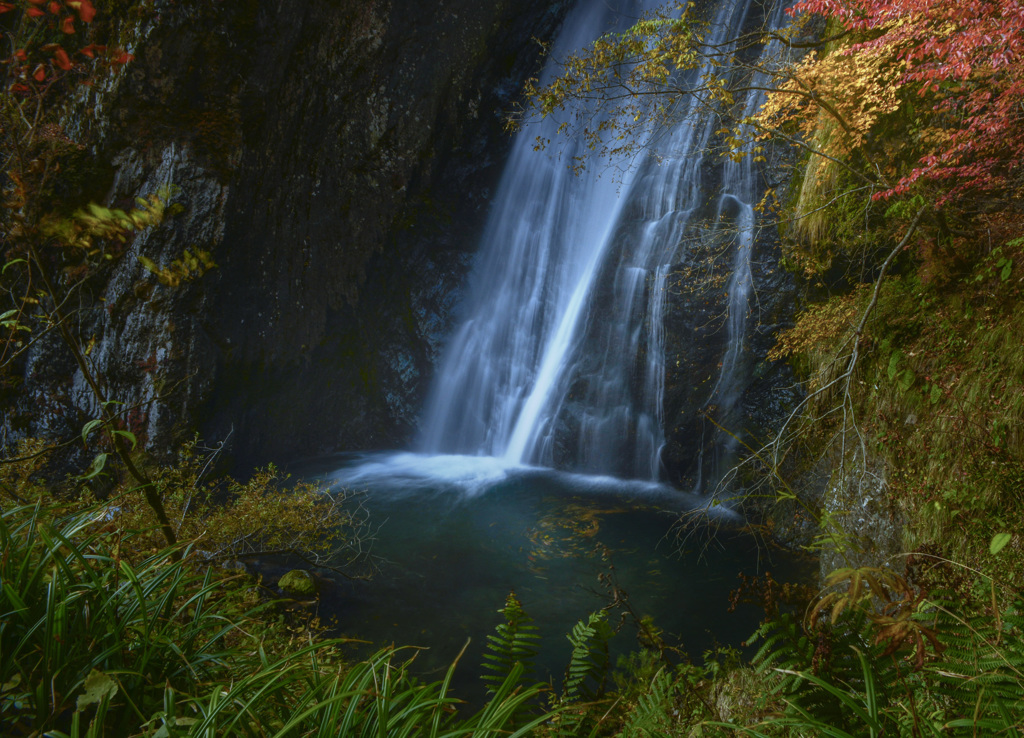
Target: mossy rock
298 583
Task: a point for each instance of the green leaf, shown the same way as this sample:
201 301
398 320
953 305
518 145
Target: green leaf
164 731
906 380
96 467
90 427
98 686
101 212
1007 267
894 363
869 690
148 263
999 541
129 435
844 696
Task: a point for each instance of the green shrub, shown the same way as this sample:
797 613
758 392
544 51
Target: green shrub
92 644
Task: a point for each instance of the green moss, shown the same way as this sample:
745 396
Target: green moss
939 395
298 583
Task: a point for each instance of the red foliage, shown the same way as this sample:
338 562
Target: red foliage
966 58
85 10
44 43
62 60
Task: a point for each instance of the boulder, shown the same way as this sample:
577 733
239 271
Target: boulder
298 583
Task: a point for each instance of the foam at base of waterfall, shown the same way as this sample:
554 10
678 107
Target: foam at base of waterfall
406 473
454 477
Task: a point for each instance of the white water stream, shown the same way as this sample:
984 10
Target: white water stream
561 363
565 316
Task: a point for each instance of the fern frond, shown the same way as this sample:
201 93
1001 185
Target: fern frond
590 659
514 643
784 648
652 716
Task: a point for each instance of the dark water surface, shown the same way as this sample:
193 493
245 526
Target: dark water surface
454 535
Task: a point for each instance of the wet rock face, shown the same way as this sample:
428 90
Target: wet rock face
336 159
696 340
376 186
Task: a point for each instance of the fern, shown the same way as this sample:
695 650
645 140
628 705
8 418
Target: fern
651 718
980 673
828 674
589 660
784 647
846 683
513 644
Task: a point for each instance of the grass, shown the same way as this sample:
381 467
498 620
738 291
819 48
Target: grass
93 643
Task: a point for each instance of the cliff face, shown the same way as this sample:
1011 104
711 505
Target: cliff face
335 158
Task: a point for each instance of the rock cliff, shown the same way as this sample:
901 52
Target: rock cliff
335 157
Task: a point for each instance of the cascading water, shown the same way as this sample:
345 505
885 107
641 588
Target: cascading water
542 247
560 361
735 206
561 364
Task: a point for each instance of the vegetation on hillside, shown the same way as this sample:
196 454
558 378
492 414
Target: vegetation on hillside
102 636
905 223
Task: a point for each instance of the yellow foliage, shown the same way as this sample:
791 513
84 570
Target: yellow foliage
631 79
225 518
192 265
91 229
222 518
821 324
854 90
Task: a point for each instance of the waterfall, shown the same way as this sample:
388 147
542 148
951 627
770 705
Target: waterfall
736 198
560 360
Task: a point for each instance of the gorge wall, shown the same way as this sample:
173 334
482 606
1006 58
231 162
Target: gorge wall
335 158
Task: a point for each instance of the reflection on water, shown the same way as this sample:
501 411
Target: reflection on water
454 535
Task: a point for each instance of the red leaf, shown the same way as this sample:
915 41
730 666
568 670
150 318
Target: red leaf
4 7
86 11
20 55
124 58
37 2
91 49
40 74
54 7
34 12
61 57
68 26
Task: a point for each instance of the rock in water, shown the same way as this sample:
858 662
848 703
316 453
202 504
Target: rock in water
298 583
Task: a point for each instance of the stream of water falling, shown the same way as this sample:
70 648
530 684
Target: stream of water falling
564 323
565 328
